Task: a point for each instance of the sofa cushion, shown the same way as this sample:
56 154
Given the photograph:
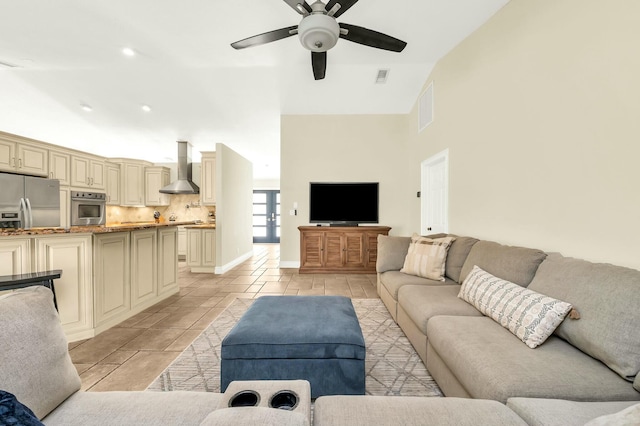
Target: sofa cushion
457 255
426 257
254 416
124 408
424 302
515 264
391 252
34 361
408 410
529 315
560 412
393 280
607 298
491 363
630 416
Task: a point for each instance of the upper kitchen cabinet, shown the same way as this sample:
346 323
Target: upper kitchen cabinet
208 179
132 182
87 172
60 167
25 158
113 183
156 178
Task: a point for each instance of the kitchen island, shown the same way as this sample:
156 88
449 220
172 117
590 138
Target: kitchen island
110 273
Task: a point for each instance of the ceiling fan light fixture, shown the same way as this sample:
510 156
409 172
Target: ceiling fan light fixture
318 32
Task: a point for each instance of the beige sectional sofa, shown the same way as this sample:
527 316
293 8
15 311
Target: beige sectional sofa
594 358
35 366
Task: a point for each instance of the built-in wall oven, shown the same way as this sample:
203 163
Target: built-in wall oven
88 208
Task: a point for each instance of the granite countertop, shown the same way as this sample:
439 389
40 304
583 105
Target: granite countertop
201 226
103 229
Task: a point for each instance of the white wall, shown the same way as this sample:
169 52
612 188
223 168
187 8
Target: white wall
360 148
234 208
540 110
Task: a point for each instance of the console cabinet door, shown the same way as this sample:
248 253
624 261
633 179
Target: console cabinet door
112 279
144 266
311 244
74 290
353 249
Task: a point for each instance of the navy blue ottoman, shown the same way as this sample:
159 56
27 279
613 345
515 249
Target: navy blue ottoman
314 338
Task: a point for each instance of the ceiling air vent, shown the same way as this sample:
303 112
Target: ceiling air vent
381 78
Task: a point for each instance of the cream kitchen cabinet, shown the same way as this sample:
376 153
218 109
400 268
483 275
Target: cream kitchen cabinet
131 181
74 290
60 167
24 158
155 178
15 255
182 243
144 267
208 178
112 282
167 260
113 184
201 249
87 172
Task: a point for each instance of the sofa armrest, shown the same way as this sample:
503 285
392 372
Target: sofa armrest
391 252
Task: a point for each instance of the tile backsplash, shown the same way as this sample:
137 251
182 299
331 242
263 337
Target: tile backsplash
186 207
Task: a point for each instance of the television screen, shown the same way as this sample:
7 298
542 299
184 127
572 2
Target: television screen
347 203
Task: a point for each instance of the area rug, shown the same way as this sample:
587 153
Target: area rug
392 365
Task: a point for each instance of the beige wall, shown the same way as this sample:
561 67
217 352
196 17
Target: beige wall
234 208
369 148
540 110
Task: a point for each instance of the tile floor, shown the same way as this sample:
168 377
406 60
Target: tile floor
132 354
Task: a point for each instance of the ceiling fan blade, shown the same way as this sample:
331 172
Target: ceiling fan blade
319 64
371 38
264 38
344 6
294 4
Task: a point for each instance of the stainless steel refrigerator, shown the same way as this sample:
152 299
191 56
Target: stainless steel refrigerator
29 202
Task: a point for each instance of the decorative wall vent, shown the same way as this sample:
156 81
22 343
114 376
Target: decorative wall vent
425 108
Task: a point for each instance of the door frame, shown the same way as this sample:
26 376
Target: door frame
425 185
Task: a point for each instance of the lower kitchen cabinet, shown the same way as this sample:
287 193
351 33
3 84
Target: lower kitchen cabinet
167 255
74 290
112 283
15 256
144 266
201 249
182 243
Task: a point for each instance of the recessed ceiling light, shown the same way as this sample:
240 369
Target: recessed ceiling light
127 51
146 108
86 107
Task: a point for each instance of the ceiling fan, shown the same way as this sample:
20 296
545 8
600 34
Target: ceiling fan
318 32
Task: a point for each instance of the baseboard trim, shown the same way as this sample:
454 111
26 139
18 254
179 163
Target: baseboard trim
235 262
292 264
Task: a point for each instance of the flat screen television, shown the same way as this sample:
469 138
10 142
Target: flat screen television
343 203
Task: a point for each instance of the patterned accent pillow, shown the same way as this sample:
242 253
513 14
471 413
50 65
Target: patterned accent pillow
427 256
531 316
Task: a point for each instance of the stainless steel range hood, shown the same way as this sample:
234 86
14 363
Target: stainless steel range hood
183 185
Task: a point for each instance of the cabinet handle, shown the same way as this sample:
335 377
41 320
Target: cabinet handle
19 163
13 161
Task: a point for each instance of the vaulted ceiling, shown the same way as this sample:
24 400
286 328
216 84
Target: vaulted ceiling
58 58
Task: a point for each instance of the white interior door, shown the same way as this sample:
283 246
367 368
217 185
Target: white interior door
434 199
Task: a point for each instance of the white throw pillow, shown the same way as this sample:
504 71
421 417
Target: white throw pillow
530 316
426 257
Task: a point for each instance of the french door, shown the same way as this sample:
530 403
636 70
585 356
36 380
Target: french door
266 216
